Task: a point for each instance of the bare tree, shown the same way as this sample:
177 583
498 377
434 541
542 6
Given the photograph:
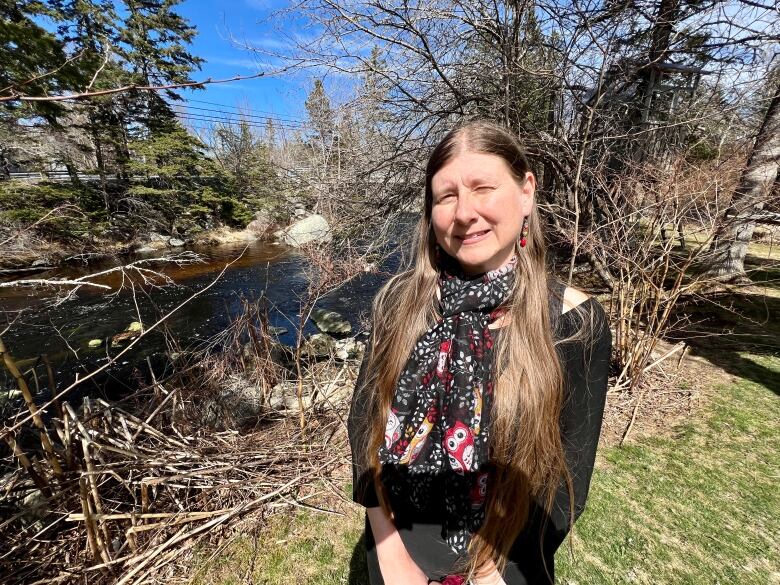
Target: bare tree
730 245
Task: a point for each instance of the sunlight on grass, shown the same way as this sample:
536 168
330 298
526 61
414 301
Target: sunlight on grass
699 508
303 547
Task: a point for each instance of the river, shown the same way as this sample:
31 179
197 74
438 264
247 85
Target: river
264 270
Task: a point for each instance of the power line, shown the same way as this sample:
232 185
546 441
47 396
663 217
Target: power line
241 116
272 114
228 122
278 121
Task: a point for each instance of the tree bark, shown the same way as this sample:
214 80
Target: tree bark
730 245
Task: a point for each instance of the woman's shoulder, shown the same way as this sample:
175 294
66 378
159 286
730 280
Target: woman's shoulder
573 297
576 311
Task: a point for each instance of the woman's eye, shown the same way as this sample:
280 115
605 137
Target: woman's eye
444 197
484 188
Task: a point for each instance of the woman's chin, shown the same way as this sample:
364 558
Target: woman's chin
478 261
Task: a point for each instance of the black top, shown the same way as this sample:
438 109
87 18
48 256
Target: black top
585 366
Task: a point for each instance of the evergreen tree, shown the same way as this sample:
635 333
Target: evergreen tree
153 44
321 115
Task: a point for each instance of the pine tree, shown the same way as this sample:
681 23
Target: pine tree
321 114
153 42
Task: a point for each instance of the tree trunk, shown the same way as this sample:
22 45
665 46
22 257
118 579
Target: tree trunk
101 167
5 165
730 244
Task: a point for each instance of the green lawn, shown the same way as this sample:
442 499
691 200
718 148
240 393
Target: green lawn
702 507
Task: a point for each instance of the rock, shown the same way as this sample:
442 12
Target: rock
330 321
34 505
9 395
93 343
310 229
284 397
258 225
41 263
242 399
154 246
346 349
133 330
175 242
273 330
155 237
281 354
299 212
319 345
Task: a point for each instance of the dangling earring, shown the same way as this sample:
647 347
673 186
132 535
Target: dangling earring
524 233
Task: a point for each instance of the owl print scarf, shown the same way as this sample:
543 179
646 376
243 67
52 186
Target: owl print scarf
438 426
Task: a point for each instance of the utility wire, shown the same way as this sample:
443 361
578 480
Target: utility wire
271 114
226 121
242 116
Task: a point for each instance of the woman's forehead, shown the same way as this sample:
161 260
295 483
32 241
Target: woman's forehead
469 167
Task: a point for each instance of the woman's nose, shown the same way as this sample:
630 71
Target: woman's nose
465 212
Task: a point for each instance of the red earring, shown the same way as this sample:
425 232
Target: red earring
524 233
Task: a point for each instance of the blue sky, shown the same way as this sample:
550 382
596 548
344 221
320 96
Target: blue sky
220 26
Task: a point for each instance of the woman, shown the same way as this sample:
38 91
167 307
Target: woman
479 402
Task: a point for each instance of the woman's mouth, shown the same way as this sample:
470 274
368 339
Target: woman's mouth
474 237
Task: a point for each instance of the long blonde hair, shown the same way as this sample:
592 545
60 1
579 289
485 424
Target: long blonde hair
526 449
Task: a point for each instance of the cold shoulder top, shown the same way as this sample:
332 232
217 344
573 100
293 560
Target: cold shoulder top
585 365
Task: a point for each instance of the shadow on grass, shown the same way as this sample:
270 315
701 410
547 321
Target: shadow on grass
724 325
358 568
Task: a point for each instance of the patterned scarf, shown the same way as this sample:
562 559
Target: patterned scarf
438 425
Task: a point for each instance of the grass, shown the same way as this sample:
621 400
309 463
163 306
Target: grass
701 507
305 547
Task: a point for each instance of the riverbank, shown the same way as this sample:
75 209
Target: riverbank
25 255
697 506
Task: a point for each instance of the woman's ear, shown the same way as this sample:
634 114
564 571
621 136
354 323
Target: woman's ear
527 192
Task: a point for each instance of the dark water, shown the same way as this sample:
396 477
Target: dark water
264 270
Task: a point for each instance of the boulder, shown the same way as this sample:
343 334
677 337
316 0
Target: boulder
347 349
260 223
94 343
314 228
284 397
133 330
155 237
330 321
318 345
280 354
154 246
175 242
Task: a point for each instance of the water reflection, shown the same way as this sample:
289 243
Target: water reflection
264 269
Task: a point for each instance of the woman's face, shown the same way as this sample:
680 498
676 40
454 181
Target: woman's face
478 209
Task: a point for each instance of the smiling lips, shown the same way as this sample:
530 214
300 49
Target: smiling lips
473 237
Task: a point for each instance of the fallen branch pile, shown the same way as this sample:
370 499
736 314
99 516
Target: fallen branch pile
123 497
